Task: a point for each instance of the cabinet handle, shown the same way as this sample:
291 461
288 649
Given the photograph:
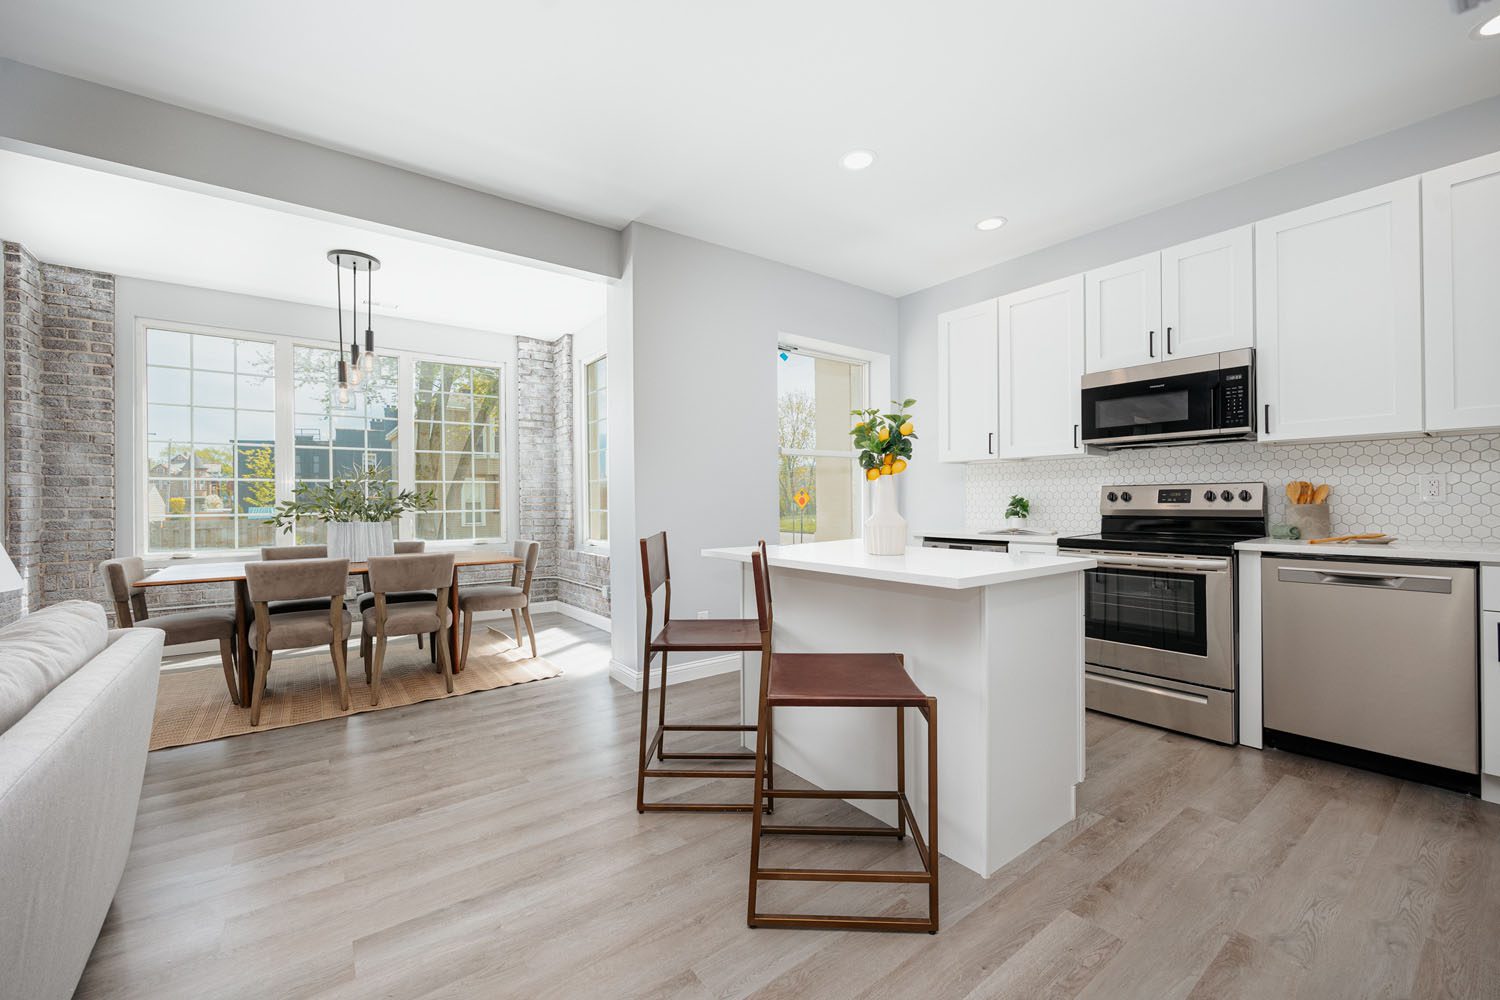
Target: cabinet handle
1075 437
1267 421
1169 340
992 442
1151 343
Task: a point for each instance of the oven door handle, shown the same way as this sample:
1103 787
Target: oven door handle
1151 562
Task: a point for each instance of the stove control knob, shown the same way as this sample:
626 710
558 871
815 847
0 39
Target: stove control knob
1226 496
1125 497
1112 496
1210 496
1245 496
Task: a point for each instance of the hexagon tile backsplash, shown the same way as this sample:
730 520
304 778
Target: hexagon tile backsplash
1374 483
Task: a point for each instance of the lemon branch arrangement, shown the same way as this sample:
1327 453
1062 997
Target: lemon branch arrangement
884 439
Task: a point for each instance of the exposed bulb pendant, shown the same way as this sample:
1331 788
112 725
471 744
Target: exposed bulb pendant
356 364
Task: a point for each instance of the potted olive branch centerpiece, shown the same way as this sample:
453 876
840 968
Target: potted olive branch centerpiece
884 441
359 511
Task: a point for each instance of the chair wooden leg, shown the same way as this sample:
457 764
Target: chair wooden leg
446 659
419 640
762 740
339 649
530 631
640 774
515 616
262 667
379 663
770 760
432 646
661 710
900 770
463 657
226 657
367 653
932 814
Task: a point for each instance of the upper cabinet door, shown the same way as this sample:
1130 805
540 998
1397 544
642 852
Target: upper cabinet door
1461 254
1339 317
1123 309
1041 366
967 389
1207 295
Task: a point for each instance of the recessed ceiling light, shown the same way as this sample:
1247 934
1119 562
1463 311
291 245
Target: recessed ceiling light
992 223
857 159
1488 29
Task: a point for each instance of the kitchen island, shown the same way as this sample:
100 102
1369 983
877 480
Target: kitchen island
996 638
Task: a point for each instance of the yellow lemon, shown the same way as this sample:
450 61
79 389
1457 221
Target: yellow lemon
885 470
906 427
885 434
887 459
899 465
872 474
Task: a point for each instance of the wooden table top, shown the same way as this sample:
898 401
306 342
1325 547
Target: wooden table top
232 572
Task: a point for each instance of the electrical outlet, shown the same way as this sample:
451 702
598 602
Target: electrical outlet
1432 489
702 615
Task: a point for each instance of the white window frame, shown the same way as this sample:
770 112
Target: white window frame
581 455
285 346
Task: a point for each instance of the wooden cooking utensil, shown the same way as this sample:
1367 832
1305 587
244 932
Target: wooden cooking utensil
1293 491
1320 495
1346 538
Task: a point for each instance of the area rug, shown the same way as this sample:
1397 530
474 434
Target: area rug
193 706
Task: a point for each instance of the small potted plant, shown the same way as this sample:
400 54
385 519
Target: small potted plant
884 443
1017 512
359 511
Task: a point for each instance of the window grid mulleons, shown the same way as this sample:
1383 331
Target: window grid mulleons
596 450
331 440
456 431
210 441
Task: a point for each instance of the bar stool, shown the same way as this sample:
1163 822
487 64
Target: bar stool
840 680
713 635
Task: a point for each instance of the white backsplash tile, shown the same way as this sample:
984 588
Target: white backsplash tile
1374 483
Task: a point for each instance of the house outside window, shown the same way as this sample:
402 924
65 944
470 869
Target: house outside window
818 481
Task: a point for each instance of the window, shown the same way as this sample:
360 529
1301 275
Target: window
595 452
332 441
210 441
234 424
456 438
819 473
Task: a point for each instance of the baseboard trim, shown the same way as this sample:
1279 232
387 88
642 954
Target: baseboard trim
569 611
677 673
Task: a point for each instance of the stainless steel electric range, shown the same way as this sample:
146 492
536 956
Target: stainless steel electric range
1160 609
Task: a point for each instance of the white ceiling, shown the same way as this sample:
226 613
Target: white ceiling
81 217
726 121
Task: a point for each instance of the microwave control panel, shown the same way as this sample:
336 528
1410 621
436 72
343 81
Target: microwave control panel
1234 398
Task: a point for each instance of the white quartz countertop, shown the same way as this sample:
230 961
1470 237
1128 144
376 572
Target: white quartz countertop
952 569
1401 548
1040 537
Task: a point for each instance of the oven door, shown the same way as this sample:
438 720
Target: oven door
1164 402
1166 616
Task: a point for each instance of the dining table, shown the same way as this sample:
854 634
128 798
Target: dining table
186 573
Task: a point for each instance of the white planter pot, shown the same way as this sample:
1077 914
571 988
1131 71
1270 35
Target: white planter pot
885 528
357 541
1015 523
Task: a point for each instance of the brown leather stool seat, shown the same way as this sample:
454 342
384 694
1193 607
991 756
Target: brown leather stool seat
840 680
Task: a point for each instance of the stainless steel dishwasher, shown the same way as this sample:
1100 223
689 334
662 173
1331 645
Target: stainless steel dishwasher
1375 664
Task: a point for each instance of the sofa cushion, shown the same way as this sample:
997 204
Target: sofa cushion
44 649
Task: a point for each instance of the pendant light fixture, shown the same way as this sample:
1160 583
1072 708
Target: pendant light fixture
353 367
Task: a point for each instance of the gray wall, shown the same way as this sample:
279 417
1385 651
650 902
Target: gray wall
703 328
933 493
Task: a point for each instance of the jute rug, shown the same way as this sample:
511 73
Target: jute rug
193 706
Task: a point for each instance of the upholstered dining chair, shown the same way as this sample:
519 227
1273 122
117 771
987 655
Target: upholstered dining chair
514 597
270 553
366 600
298 580
406 574
120 579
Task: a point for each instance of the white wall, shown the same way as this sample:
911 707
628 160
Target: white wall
701 324
138 300
933 493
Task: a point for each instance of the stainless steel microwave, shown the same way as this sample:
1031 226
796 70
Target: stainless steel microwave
1207 398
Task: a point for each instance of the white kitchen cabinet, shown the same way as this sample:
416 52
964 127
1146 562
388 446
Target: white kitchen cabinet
1123 314
1041 365
1461 287
1207 295
1489 692
968 395
1338 317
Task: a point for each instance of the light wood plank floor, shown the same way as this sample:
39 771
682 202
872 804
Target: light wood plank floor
489 847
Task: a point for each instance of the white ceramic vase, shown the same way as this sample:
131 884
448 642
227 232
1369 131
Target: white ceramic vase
1015 523
357 541
885 528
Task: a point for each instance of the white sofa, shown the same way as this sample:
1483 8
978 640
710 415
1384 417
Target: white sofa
76 703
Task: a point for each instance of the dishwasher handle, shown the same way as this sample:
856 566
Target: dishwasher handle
1412 582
